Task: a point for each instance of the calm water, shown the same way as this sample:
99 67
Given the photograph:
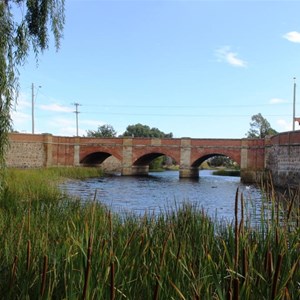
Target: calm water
163 191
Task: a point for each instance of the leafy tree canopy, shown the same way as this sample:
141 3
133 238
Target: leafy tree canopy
24 25
260 127
102 131
220 161
139 130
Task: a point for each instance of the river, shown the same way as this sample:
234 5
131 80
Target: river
163 191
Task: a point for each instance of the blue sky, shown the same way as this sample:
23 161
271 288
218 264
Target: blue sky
197 69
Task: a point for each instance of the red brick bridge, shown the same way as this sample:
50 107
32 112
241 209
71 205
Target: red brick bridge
279 154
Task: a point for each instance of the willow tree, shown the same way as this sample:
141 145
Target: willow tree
25 27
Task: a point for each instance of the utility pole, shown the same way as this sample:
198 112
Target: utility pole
76 112
294 104
32 107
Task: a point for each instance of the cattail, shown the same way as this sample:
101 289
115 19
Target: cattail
286 294
28 221
269 263
276 275
266 259
290 208
88 266
112 281
28 255
236 229
277 207
21 234
156 290
164 250
111 230
276 236
13 271
178 252
229 292
245 265
236 289
241 230
44 275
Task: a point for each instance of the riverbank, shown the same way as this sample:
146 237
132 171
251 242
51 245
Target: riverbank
227 172
55 246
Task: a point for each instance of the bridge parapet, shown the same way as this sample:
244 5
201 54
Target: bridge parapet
283 159
279 154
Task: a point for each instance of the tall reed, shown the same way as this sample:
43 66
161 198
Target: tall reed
56 247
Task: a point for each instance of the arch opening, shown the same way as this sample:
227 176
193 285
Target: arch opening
216 159
95 158
221 163
108 162
151 161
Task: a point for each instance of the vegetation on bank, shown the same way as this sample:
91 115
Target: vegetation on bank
56 247
226 172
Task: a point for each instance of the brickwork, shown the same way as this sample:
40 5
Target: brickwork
26 155
283 159
280 154
25 152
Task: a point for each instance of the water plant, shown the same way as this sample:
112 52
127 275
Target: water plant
57 247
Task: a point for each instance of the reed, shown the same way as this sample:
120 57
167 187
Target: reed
44 276
57 247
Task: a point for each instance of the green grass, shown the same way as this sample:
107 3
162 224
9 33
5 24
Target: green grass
56 247
225 172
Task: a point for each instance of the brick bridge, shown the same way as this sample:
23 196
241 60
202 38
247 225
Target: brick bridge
280 154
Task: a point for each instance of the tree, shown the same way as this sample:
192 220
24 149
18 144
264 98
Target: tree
103 131
18 36
260 127
220 161
139 130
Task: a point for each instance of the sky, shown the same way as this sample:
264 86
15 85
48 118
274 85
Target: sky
198 68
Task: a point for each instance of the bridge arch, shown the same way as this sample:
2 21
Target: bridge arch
203 158
95 158
147 158
141 165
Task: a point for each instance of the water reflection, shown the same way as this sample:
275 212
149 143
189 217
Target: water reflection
163 191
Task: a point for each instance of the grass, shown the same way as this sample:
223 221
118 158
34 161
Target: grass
56 247
226 172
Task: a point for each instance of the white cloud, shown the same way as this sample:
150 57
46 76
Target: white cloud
292 36
277 101
225 54
22 102
21 114
68 131
67 126
61 122
60 126
93 123
20 120
56 107
287 125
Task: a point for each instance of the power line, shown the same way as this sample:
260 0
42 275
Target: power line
186 106
182 115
